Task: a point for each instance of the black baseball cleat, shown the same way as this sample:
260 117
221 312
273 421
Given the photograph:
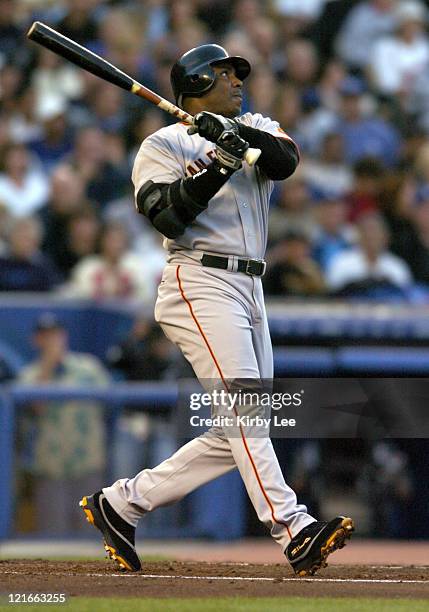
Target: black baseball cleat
307 552
119 536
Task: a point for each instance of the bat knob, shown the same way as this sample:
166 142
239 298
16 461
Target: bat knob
252 155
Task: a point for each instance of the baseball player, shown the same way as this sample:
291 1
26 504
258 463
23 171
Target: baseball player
194 187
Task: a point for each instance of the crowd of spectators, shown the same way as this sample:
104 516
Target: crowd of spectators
349 81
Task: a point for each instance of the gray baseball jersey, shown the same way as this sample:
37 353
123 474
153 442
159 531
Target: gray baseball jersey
218 320
236 219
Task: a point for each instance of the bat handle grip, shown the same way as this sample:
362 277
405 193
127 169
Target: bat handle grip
252 155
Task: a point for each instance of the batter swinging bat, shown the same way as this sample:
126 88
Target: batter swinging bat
86 59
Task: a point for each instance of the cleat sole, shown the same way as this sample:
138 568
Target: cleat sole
123 565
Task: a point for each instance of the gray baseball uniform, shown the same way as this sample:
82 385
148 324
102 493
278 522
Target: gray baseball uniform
218 319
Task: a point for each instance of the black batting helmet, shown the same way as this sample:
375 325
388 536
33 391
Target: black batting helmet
193 75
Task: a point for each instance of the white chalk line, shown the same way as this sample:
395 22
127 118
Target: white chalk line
240 578
398 566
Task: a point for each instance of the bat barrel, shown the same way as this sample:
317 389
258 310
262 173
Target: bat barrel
78 55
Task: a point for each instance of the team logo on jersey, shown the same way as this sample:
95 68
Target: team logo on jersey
199 164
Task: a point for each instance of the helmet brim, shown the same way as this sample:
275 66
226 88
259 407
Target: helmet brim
241 66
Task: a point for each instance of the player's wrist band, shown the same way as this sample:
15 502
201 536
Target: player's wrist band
252 267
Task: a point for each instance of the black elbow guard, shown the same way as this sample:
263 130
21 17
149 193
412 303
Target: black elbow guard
169 208
153 201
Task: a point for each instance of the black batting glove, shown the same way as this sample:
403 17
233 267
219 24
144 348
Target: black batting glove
230 150
211 126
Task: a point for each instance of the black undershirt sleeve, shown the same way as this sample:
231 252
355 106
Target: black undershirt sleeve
203 186
279 157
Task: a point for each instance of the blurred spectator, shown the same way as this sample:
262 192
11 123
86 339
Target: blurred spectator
67 198
291 269
396 62
143 239
263 36
306 9
116 272
23 188
328 173
151 121
296 16
6 373
82 238
364 196
11 35
293 211
216 14
333 74
370 266
11 82
302 63
145 354
55 143
54 78
386 483
412 240
108 109
327 26
288 111
23 267
417 104
79 22
5 220
333 235
103 180
263 91
68 436
367 22
364 133
23 124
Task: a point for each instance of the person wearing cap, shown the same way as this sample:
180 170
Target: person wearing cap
68 442
397 61
364 133
55 143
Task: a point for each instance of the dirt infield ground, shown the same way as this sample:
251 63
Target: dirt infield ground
190 579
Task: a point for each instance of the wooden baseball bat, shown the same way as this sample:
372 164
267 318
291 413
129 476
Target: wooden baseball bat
89 61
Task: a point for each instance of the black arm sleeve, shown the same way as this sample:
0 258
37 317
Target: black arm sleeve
279 157
172 207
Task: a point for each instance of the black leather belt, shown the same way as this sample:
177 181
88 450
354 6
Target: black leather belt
252 267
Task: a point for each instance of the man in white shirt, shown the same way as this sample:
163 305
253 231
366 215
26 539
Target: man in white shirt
370 262
396 62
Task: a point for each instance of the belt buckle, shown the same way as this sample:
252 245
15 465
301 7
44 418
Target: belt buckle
249 262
